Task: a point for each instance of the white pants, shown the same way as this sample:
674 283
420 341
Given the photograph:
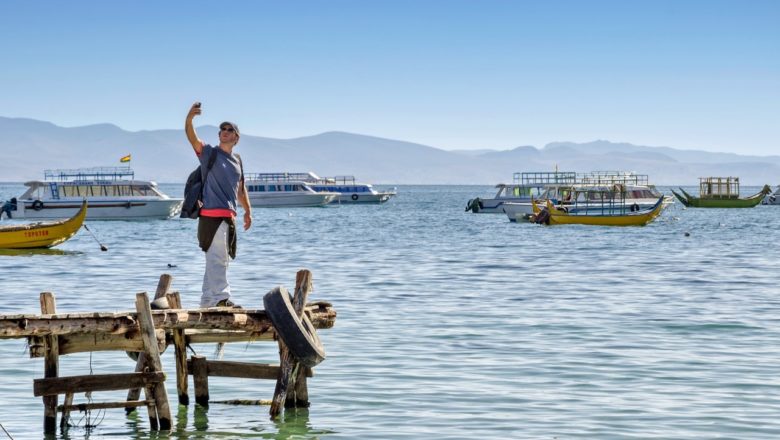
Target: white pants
215 283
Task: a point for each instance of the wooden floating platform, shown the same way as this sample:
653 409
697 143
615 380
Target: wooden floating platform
148 332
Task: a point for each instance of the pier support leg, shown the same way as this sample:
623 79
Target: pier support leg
51 365
180 345
162 288
153 362
290 371
65 411
200 377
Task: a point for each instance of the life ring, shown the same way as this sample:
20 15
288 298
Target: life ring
37 205
297 333
634 207
354 196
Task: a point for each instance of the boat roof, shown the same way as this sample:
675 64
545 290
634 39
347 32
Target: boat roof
613 177
543 177
282 176
39 183
91 174
308 177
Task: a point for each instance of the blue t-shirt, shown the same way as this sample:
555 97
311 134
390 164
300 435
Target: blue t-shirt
221 188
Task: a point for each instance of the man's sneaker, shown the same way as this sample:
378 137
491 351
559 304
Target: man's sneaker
228 303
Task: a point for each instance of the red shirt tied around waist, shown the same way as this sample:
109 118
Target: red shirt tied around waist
223 189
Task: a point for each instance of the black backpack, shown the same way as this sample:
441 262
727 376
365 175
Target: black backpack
193 189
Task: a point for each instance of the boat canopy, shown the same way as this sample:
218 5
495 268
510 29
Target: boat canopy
94 173
719 187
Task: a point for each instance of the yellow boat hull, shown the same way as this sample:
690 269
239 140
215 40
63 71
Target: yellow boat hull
558 217
43 234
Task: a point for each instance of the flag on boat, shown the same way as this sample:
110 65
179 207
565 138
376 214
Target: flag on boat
125 159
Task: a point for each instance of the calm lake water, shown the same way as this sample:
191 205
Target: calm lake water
450 324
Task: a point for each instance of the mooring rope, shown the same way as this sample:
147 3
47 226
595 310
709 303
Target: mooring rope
6 432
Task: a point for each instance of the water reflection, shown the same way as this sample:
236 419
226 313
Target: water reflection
32 252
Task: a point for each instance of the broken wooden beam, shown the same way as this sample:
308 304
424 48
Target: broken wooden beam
321 314
94 382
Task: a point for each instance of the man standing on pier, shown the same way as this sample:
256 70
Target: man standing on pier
223 186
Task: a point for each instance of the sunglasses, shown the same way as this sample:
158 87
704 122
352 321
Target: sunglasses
228 129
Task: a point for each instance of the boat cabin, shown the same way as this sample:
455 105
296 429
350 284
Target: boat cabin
719 187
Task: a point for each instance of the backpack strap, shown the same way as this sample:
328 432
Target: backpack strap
240 164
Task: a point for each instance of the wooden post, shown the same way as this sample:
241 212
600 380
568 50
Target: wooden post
50 366
288 366
162 288
153 362
180 344
200 377
66 411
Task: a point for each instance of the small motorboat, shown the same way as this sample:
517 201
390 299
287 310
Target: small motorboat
597 206
41 234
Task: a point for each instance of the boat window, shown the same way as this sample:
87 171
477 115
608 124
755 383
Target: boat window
139 190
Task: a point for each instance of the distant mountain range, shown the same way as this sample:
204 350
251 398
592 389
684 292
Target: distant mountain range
27 147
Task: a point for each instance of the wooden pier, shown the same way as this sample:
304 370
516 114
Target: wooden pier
158 323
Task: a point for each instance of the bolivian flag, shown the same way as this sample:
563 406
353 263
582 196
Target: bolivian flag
125 159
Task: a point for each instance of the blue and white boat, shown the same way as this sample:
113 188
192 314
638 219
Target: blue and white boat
284 190
350 190
111 192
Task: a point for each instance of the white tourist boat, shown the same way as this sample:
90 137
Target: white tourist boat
278 190
350 191
635 193
773 198
525 186
112 194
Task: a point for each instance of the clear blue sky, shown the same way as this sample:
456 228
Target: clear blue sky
450 74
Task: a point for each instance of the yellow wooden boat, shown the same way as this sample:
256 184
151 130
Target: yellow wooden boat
636 218
41 234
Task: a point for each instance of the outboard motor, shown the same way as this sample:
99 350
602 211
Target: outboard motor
542 218
474 205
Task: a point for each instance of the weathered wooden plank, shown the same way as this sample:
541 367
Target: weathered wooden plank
153 361
180 346
242 402
244 370
94 382
287 364
298 394
216 336
65 409
51 365
200 378
135 393
81 342
322 316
